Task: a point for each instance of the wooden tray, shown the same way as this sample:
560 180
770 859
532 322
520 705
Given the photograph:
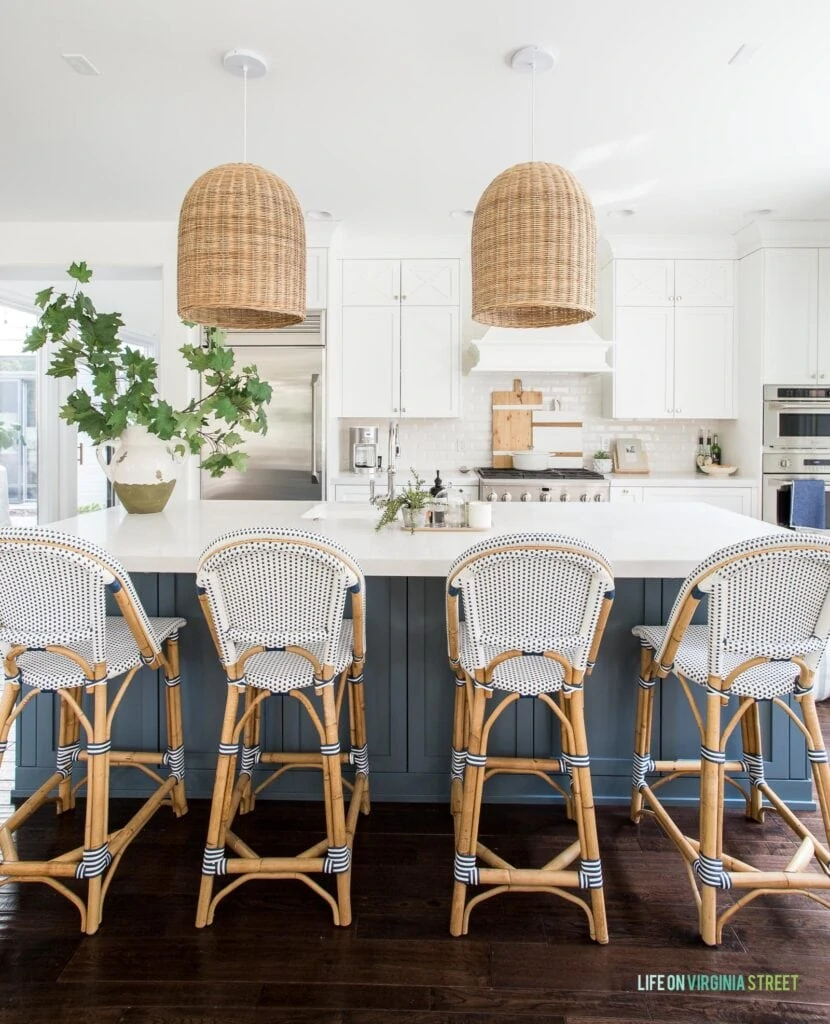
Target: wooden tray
446 529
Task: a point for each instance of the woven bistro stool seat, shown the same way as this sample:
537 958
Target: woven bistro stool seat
768 625
535 607
274 601
55 636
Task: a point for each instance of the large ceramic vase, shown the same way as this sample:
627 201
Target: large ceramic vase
142 469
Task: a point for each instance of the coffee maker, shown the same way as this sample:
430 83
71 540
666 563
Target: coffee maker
363 442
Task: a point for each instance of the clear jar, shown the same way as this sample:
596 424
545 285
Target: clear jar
456 509
437 512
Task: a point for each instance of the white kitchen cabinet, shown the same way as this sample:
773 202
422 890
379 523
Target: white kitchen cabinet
370 376
631 495
734 499
703 362
644 282
704 283
316 279
371 282
643 363
430 378
401 357
791 316
672 359
430 282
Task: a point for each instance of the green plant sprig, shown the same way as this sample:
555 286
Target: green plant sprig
414 496
124 381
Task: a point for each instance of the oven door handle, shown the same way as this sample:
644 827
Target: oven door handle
813 405
784 482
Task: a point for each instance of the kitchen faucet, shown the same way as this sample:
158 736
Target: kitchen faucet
392 459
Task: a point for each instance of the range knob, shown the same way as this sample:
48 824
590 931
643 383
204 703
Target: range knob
564 496
598 497
507 496
527 496
546 495
583 497
784 463
492 496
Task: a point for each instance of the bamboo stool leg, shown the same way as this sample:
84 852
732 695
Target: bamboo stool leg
219 808
465 871
69 734
251 735
97 814
642 729
570 813
711 822
818 759
586 814
357 724
753 749
175 733
335 810
459 748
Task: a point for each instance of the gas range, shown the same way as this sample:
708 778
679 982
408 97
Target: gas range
541 485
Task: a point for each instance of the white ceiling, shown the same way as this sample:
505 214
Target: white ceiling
387 112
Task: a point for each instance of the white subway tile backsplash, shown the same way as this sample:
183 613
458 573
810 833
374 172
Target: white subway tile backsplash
669 444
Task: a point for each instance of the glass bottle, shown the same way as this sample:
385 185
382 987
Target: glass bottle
716 452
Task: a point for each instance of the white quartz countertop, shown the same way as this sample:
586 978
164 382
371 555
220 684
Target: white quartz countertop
641 540
682 479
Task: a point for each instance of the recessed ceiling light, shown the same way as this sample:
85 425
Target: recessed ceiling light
319 215
762 213
744 53
461 214
626 211
80 64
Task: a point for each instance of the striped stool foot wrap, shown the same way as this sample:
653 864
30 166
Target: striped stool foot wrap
476 760
173 680
359 757
96 749
67 756
590 874
710 872
5 743
459 759
817 756
250 759
642 765
465 869
229 749
330 749
174 759
754 767
214 861
338 860
715 756
95 862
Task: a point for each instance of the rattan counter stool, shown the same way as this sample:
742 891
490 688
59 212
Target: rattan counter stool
274 600
768 624
535 608
55 636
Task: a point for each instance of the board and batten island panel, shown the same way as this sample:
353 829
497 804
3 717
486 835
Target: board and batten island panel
409 687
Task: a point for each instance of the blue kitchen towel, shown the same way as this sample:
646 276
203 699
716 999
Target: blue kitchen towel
807 507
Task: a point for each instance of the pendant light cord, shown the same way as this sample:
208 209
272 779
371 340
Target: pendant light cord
533 112
244 113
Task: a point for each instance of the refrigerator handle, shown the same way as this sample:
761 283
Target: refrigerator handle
315 477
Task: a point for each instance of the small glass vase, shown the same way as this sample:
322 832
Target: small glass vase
414 518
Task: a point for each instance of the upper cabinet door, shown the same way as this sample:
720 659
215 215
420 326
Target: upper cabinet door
316 278
704 282
430 361
371 282
430 282
644 283
703 362
790 316
643 364
370 375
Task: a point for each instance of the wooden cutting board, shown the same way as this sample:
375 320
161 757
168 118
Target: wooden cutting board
513 422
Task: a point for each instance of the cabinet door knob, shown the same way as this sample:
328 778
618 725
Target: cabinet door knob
821 376
403 409
677 298
402 298
394 296
395 409
678 411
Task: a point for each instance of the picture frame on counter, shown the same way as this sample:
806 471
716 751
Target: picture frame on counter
629 455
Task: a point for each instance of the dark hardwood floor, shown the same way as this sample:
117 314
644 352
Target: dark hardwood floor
274 956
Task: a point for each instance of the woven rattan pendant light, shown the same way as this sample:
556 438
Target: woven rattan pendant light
534 239
242 250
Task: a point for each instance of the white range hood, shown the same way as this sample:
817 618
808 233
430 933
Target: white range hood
573 349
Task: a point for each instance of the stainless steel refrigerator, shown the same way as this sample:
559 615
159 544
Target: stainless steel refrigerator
287 463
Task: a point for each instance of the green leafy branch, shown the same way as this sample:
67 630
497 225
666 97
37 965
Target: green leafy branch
414 496
123 381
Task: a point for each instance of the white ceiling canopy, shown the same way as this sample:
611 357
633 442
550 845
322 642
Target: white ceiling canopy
396 114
